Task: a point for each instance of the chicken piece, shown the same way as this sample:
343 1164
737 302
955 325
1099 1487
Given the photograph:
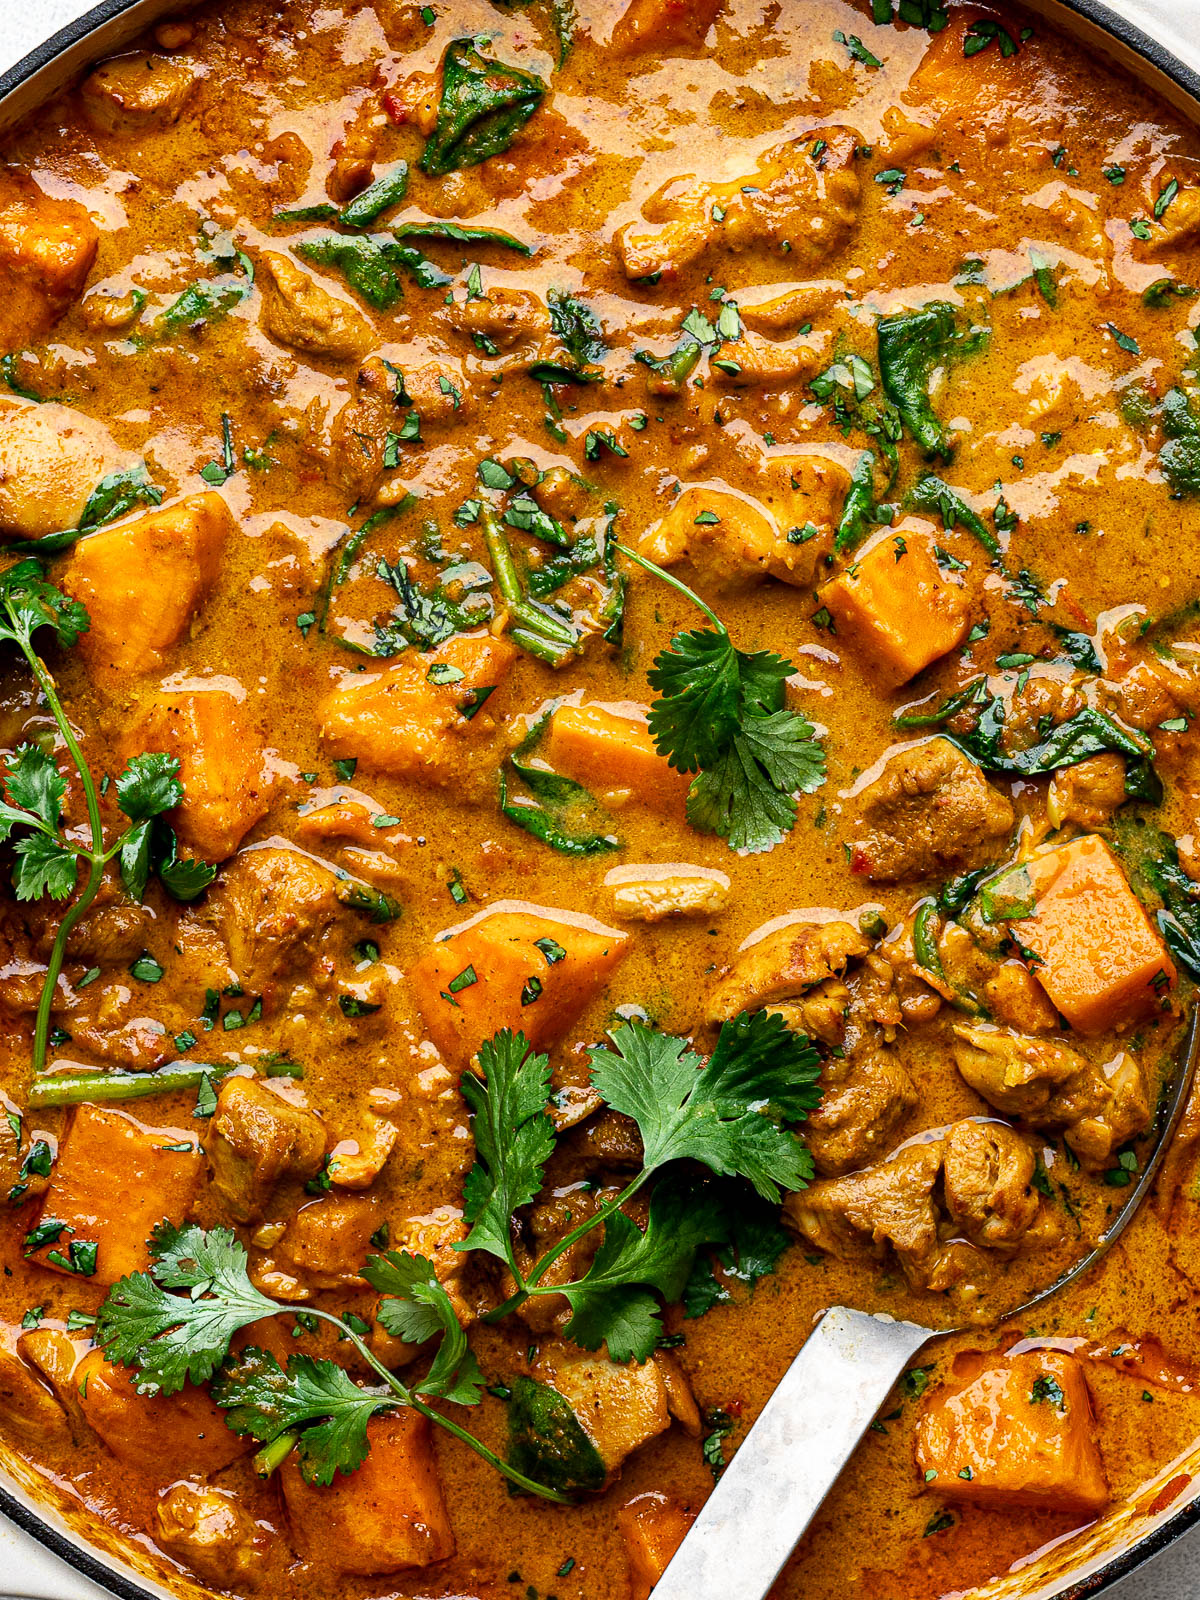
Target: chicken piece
47 248
802 198
164 1436
29 1407
649 893
327 1241
1013 1430
398 721
356 1163
133 95
143 582
1149 694
930 812
273 905
653 1526
1015 997
866 1098
256 1140
359 437
1017 97
433 1237
504 318
51 459
730 540
226 785
897 607
609 749
439 393
860 1216
785 965
987 1178
299 313
1054 1088
387 1516
55 1355
1087 794
565 1206
665 27
756 363
620 1408
1179 224
526 970
114 1181
207 1531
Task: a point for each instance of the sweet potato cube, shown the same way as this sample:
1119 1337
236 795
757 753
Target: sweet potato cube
115 1179
528 970
653 1526
411 718
896 607
605 749
47 248
143 581
1098 955
386 1516
167 1436
226 790
1013 1430
663 25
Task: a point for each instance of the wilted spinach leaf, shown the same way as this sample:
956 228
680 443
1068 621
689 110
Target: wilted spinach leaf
483 107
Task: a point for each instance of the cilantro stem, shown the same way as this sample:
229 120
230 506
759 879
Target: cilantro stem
76 1088
95 858
273 1455
659 572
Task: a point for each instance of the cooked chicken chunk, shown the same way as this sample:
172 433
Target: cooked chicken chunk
327 1241
784 966
802 199
273 904
433 1237
663 26
256 1139
1087 794
867 1096
298 312
29 1406
655 896
504 318
46 252
51 458
209 1532
138 94
987 1178
931 811
361 429
1053 1087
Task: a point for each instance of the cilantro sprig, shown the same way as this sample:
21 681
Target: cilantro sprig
729 1114
175 1323
721 714
48 860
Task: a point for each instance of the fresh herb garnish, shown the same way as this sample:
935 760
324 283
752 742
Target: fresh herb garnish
484 105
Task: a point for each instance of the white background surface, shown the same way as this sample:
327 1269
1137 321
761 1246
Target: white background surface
1176 1574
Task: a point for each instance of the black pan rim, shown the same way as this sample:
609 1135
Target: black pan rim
1143 1549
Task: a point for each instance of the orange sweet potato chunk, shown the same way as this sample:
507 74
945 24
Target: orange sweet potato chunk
115 1179
1099 957
1013 1430
399 721
606 749
226 789
653 1526
896 607
143 581
386 1516
167 1436
659 25
512 969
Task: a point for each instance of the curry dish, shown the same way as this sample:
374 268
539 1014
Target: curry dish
600 627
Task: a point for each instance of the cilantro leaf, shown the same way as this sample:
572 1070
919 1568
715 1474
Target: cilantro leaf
726 1112
514 1139
700 687
32 780
149 786
44 865
731 798
262 1399
755 1240
415 1308
172 1338
28 602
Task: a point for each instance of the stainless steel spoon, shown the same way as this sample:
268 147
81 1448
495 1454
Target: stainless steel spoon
809 1428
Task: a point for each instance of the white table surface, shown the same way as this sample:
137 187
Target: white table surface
1175 1575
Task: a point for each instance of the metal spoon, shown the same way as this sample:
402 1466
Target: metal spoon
809 1428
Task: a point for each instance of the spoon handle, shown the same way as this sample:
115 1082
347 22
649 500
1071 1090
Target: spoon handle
791 1458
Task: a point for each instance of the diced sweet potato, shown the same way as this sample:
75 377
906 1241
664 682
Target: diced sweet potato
895 606
51 458
168 1436
226 790
46 252
512 969
659 25
1099 957
1013 1430
399 721
386 1516
143 581
730 539
115 1179
653 1526
607 749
